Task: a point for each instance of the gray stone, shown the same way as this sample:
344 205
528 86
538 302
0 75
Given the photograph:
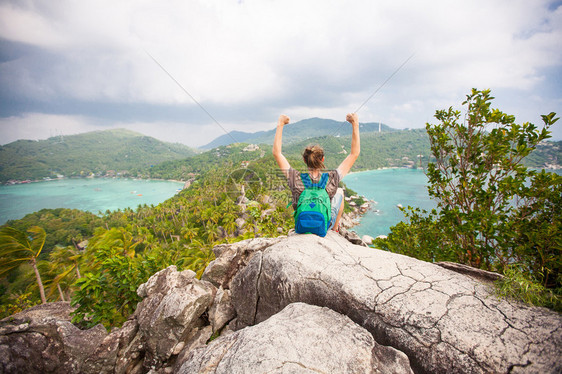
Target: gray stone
232 257
444 321
130 348
300 339
197 341
170 312
42 339
352 237
222 311
240 222
479 274
246 283
367 239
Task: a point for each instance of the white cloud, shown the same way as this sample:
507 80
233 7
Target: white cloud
37 126
193 135
304 58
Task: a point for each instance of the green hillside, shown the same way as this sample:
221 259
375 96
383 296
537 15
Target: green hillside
390 149
233 154
547 155
98 152
296 132
386 149
129 153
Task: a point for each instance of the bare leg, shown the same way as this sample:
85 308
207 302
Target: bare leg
340 212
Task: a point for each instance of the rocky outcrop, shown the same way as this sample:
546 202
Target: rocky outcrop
298 304
367 239
300 339
443 321
230 258
43 340
170 315
352 237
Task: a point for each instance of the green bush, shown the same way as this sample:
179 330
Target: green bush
517 285
492 211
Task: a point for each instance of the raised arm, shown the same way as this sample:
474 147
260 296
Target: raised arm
277 143
346 164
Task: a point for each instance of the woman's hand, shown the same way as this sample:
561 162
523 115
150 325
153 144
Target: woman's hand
277 143
352 118
346 164
283 120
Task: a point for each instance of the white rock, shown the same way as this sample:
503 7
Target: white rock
300 339
367 239
435 315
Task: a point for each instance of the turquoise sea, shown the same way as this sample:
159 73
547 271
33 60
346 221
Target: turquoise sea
93 195
388 188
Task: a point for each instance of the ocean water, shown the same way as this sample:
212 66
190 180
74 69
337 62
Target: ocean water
93 195
388 188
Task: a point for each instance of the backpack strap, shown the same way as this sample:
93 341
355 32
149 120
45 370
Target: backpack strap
308 182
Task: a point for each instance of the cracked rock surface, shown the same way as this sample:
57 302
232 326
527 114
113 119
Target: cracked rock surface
300 339
444 321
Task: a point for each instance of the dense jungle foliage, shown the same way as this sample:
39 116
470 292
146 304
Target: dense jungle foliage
386 149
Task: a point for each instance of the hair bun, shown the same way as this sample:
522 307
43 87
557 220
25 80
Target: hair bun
313 156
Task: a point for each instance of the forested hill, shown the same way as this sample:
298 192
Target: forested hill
387 149
294 132
98 152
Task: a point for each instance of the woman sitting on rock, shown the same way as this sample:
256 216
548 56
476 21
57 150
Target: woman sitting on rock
311 205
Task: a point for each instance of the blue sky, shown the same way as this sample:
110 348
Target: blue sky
68 67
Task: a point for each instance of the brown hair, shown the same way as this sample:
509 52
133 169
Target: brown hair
313 156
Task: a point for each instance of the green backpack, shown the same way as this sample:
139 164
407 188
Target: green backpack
313 212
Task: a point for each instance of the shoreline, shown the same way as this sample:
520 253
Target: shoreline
28 181
383 168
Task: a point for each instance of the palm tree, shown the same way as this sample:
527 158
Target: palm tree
197 257
122 240
189 232
17 247
63 261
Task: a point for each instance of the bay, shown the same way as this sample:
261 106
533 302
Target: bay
388 188
92 195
